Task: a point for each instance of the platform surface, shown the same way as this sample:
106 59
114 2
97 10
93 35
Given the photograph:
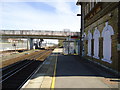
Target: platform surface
69 71
73 72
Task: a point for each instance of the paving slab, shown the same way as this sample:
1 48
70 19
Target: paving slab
44 75
73 72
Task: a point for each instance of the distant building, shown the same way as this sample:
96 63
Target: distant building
101 32
10 40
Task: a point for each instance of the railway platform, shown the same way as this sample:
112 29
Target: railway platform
70 72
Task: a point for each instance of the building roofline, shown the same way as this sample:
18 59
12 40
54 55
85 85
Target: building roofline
78 3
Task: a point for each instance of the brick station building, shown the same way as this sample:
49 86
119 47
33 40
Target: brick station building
101 33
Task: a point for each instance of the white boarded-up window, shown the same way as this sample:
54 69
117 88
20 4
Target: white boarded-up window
106 34
96 43
84 36
89 43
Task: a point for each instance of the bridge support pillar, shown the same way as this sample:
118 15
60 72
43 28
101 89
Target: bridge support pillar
30 44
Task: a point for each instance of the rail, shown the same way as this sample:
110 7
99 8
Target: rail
21 71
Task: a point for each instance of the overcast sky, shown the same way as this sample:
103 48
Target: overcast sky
43 15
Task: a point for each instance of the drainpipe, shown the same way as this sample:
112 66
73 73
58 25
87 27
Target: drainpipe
82 27
119 35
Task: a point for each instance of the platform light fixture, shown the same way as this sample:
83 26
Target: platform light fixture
78 14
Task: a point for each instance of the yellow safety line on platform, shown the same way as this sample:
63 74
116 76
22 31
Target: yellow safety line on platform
53 79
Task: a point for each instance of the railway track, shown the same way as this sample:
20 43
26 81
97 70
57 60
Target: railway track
15 75
16 59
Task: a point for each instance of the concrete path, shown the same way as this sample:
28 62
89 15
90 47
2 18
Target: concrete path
72 72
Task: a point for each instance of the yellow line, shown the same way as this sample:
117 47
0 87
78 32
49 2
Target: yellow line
53 79
75 54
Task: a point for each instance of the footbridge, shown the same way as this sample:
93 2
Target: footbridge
36 34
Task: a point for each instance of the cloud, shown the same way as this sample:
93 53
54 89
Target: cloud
22 15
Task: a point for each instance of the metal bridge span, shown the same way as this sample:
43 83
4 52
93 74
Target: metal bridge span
36 34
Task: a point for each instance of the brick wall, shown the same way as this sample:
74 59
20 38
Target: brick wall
112 18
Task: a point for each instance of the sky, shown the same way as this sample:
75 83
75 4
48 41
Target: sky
54 15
